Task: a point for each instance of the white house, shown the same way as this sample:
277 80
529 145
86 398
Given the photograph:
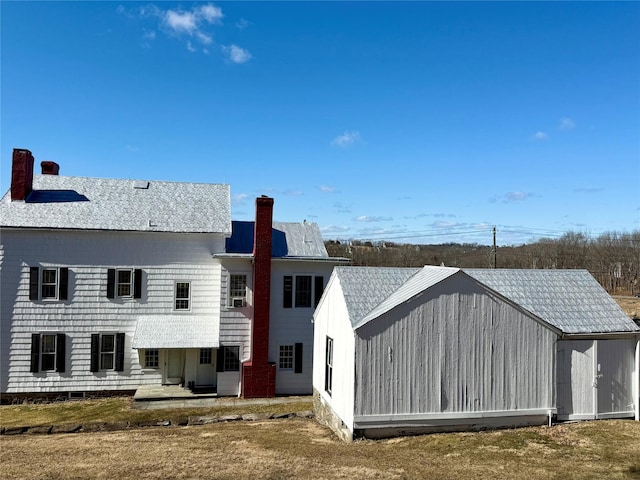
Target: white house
111 284
404 350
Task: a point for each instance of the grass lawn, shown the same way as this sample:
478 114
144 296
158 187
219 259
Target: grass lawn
301 448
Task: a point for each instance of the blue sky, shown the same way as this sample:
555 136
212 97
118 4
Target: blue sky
412 122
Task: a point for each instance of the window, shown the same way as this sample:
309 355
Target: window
291 357
303 291
286 357
124 279
328 368
124 283
151 358
237 290
182 295
107 352
205 356
48 283
228 359
300 289
48 352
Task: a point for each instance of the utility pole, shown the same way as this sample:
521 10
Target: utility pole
494 251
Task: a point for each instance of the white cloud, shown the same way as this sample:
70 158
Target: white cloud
293 193
326 189
566 124
511 197
346 139
242 24
240 198
370 218
204 38
180 22
236 54
540 136
210 13
330 229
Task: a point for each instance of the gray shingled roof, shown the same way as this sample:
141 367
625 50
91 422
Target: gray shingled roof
176 331
570 300
364 288
113 204
303 239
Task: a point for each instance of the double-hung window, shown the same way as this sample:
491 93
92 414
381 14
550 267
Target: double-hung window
48 283
328 365
48 352
124 283
107 352
228 359
183 292
291 357
237 290
302 291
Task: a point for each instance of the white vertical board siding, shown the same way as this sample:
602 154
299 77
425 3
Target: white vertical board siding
332 320
454 348
164 258
596 378
288 326
615 368
575 379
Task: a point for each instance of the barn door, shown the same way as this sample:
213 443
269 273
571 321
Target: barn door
613 377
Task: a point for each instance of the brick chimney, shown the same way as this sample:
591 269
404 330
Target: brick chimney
21 174
258 375
49 168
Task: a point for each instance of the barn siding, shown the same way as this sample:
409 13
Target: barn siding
454 348
332 320
164 258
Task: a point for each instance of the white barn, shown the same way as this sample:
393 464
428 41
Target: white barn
110 284
405 350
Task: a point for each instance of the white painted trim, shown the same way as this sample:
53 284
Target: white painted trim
636 381
398 420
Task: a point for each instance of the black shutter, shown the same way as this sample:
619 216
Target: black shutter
137 283
95 352
220 359
61 351
287 300
119 352
297 358
111 285
318 288
35 352
64 284
34 274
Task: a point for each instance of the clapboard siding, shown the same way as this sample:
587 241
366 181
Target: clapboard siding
164 259
454 348
235 323
288 326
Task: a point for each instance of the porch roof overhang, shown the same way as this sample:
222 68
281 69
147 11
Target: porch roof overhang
176 331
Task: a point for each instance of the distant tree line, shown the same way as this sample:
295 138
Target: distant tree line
612 258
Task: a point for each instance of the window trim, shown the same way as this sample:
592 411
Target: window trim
221 359
291 291
118 352
328 365
231 298
36 284
113 284
37 355
182 299
151 356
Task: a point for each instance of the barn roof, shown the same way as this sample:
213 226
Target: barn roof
570 300
299 240
113 204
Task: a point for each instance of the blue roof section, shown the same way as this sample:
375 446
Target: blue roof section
288 240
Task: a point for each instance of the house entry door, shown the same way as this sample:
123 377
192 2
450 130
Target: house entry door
173 366
206 372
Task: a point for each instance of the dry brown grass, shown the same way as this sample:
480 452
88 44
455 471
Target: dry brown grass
630 305
298 448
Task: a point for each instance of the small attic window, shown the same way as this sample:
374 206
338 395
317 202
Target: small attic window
141 185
